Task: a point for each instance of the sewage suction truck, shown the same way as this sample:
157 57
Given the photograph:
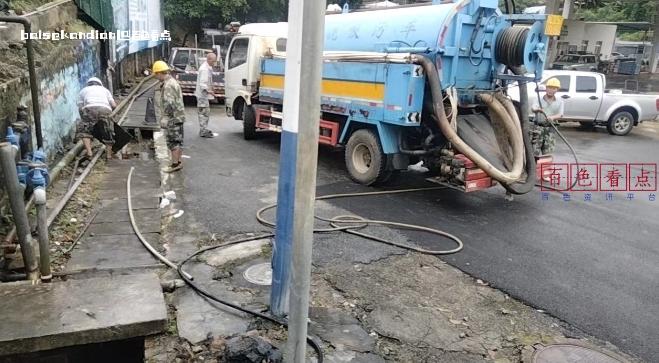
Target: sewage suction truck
408 85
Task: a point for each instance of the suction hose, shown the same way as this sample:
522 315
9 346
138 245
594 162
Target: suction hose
529 183
458 143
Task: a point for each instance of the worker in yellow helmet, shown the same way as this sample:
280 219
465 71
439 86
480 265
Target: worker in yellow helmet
170 109
550 109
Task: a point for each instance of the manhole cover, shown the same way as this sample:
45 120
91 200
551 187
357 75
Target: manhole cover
260 274
569 353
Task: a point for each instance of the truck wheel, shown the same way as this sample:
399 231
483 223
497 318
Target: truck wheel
249 122
366 162
620 123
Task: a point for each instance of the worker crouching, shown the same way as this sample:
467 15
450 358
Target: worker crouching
95 105
169 102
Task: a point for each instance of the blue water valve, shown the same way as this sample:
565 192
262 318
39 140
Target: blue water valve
39 157
38 177
12 138
22 169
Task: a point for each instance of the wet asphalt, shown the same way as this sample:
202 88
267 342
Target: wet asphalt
593 264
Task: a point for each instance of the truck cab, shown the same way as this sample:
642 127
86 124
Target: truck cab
186 61
243 62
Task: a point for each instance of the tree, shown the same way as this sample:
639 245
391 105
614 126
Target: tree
621 11
188 15
263 11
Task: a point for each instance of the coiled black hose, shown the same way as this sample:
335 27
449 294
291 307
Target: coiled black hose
510 45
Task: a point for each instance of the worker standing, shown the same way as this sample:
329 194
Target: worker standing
169 101
95 104
549 110
204 93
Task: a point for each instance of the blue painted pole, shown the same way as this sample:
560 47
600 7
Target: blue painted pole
297 171
281 252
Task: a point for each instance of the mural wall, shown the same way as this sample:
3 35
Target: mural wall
59 94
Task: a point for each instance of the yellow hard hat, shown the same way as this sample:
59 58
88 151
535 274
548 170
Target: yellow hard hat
554 82
160 66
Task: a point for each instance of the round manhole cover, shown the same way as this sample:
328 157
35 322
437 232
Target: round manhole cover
260 274
569 353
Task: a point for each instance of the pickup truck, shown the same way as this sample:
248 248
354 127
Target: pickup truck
576 62
186 61
588 101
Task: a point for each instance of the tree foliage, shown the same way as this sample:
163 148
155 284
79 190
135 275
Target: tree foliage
619 10
193 10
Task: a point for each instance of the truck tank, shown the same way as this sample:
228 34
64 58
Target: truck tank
461 37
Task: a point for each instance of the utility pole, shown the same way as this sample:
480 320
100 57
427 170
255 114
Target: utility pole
654 58
297 171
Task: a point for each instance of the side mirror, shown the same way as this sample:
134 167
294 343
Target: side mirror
244 82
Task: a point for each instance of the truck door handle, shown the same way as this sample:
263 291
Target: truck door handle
593 97
565 96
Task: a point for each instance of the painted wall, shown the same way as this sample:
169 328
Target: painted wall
58 90
59 95
137 17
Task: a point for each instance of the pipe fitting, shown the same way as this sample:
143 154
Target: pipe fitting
40 196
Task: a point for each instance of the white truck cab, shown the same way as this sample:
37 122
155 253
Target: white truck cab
243 62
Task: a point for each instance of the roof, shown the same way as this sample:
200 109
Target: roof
265 29
627 25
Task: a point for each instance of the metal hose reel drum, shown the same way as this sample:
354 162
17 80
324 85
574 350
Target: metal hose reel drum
522 46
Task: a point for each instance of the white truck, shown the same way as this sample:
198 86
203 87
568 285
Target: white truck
588 101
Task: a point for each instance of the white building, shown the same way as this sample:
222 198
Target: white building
581 36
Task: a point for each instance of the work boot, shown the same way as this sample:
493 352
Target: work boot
207 134
173 167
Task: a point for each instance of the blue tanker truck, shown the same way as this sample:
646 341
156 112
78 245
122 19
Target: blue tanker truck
408 85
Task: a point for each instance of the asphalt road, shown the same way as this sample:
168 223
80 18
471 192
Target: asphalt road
594 264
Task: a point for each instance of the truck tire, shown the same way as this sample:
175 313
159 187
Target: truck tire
249 122
620 123
365 161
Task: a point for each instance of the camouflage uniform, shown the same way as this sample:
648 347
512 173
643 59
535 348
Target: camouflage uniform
203 94
542 135
89 117
543 140
169 104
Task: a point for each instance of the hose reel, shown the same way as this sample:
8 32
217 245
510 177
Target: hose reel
522 46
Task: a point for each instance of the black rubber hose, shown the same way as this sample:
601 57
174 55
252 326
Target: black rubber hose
531 172
510 46
200 290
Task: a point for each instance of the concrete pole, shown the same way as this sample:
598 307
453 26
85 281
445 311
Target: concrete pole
297 175
15 194
654 58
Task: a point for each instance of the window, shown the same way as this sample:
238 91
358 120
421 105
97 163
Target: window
598 47
281 44
182 58
586 84
584 45
565 83
238 52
